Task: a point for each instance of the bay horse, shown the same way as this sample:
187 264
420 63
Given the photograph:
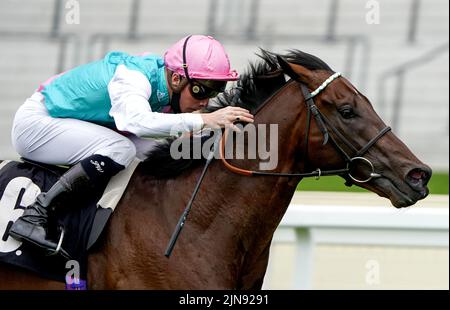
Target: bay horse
226 240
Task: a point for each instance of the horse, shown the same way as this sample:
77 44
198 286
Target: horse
325 126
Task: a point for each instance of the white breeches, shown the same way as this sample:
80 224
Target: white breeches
64 141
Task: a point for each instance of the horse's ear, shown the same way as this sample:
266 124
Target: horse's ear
295 72
287 68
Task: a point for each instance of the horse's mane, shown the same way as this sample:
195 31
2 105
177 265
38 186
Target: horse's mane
262 79
257 84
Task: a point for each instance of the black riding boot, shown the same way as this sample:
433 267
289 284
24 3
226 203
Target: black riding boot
32 225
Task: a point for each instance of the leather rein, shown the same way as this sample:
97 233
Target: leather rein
325 127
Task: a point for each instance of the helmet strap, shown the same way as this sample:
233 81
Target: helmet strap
185 65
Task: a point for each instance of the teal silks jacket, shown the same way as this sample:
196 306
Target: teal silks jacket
82 92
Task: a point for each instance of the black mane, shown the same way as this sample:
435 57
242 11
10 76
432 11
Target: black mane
306 60
263 78
160 163
257 84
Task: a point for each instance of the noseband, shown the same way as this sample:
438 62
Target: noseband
325 126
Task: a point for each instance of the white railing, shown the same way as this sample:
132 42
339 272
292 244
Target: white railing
308 225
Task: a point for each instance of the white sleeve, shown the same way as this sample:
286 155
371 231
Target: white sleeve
129 91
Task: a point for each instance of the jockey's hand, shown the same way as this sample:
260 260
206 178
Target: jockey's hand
226 117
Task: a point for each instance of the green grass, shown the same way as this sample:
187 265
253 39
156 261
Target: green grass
438 184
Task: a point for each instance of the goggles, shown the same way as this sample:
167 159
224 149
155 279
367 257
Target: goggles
204 89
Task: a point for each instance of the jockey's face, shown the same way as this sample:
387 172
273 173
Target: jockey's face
187 102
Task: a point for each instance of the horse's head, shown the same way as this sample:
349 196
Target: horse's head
347 120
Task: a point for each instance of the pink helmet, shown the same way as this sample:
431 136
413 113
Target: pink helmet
200 57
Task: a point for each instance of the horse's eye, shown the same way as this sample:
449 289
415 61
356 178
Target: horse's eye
347 112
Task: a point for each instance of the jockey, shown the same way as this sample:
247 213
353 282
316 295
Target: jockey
95 116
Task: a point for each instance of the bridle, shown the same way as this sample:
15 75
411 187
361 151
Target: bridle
325 127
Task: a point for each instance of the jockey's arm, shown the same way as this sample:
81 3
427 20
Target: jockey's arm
129 91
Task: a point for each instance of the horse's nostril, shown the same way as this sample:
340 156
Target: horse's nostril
419 177
417 174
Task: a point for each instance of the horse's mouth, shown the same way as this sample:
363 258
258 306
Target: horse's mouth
399 193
